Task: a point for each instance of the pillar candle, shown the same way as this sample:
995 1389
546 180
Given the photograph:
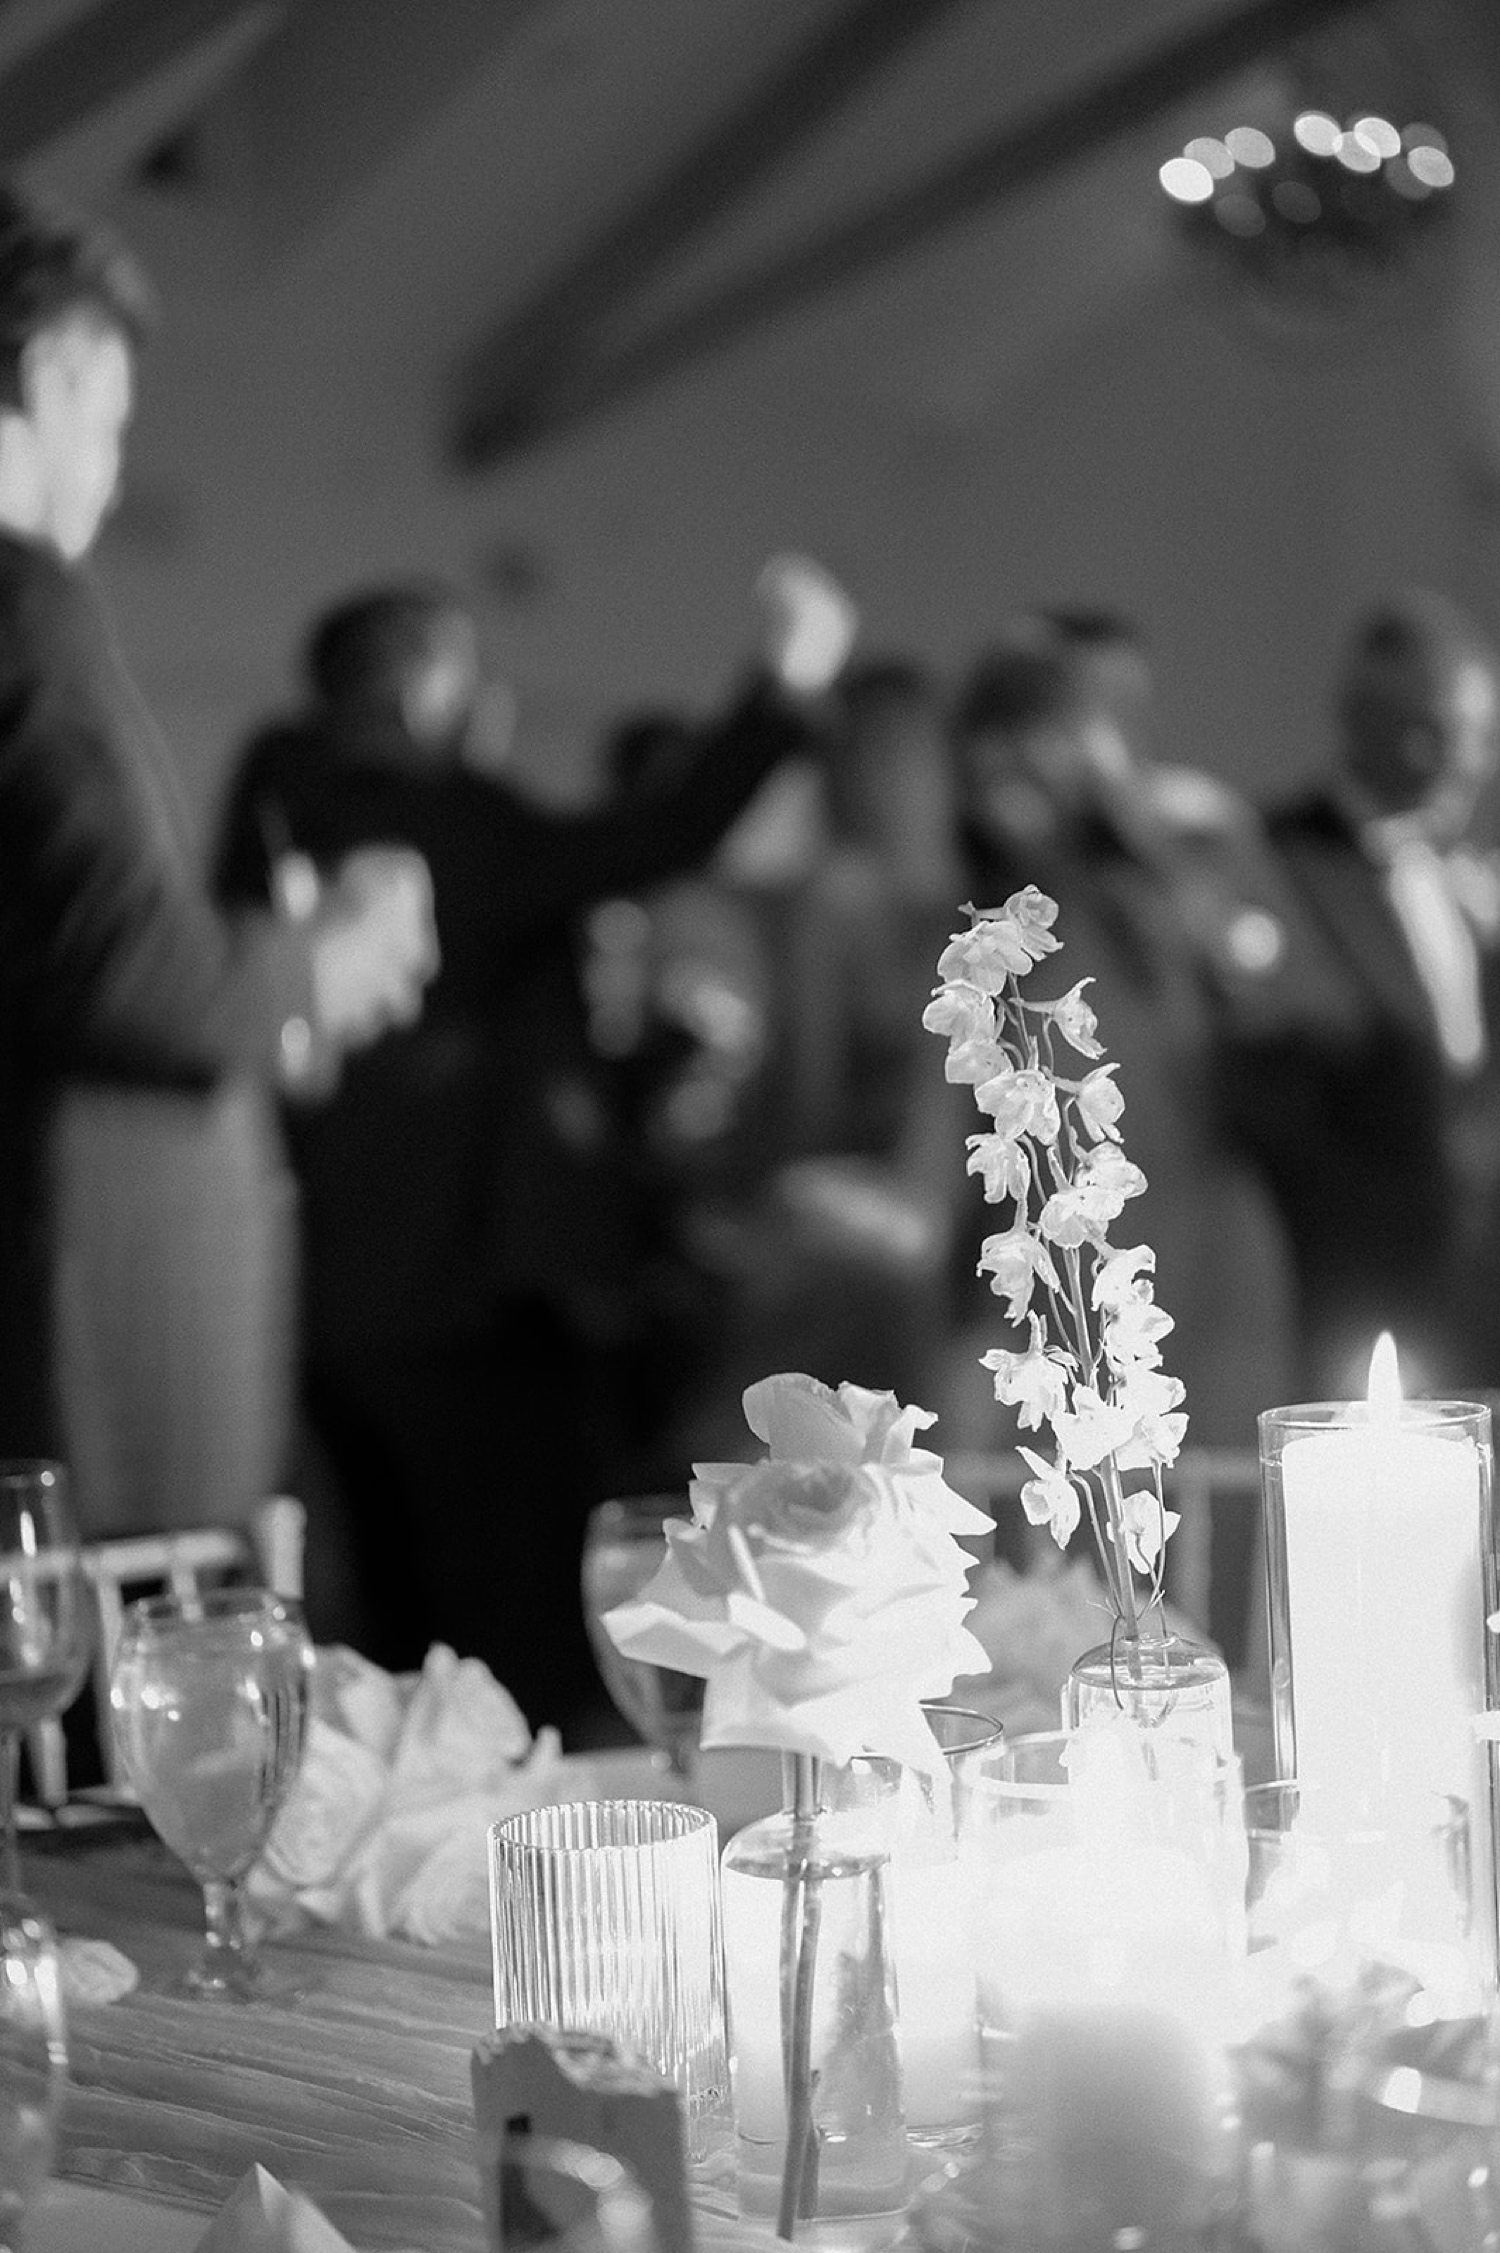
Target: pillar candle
1385 1607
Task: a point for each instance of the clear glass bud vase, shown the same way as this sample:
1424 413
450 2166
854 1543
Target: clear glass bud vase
814 2064
1161 1681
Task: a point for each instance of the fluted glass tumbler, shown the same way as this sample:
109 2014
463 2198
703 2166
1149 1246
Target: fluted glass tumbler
605 1918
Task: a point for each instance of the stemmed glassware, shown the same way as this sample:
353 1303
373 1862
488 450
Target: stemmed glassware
33 2060
209 1701
46 1621
624 1543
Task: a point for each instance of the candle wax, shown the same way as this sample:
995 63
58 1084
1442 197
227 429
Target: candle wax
1385 1608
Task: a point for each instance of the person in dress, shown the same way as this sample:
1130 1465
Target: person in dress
124 996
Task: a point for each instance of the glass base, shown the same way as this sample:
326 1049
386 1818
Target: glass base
241 1980
1160 1682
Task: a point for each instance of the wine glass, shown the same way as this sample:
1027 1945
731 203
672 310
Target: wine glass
33 2059
209 1699
46 1621
623 1544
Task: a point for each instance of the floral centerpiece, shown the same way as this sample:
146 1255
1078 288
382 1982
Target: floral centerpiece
1086 1367
822 1592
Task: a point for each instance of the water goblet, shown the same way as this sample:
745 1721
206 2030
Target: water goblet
46 1621
33 2060
624 1543
209 1700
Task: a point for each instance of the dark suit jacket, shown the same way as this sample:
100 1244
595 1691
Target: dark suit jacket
463 1160
1354 1111
112 961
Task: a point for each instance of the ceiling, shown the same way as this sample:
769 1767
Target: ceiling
423 266
560 202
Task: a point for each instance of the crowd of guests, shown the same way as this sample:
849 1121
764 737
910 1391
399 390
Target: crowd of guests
458 1160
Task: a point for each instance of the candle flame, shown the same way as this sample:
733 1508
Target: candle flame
1384 1394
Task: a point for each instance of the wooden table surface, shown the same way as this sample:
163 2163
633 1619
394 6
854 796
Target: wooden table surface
357 2091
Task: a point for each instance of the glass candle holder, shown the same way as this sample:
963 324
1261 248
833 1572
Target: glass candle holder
605 1918
931 1920
820 2136
1338 1902
1109 1877
1381 1573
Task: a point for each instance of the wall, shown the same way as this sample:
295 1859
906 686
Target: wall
1142 449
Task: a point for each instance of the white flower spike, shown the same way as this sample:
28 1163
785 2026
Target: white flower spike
1053 1157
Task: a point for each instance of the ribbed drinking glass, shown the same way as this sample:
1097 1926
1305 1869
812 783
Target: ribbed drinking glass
605 1918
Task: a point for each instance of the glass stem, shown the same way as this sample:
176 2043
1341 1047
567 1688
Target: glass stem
226 1954
10 1768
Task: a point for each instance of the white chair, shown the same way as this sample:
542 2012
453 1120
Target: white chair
268 1550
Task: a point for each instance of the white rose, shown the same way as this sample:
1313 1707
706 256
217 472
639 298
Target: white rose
821 1591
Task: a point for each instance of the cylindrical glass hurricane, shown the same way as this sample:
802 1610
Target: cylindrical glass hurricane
1160 1681
1332 1901
604 1918
814 2055
931 1919
1381 1569
1110 1881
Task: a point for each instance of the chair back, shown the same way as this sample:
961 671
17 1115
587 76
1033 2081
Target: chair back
1215 1567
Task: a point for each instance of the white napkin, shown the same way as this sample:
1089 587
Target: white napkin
262 2216
385 1830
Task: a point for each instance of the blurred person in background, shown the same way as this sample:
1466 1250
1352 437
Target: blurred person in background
677 994
467 1258
1376 1112
831 1240
1053 793
142 1249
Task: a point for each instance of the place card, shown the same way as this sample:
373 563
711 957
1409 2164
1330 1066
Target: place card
581 2089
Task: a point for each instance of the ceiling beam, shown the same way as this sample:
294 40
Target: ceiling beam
491 423
538 344
94 60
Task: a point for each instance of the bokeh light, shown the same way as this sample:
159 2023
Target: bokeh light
1186 180
1296 201
1318 133
1240 215
1399 175
1248 145
1356 155
1378 134
1211 154
1431 166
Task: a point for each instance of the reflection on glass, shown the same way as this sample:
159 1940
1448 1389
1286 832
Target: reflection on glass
624 1544
33 2060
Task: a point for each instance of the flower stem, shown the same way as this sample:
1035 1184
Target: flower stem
1114 1502
802 1909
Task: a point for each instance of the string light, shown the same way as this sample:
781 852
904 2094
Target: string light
1316 210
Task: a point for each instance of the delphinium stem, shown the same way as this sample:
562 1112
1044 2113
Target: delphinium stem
802 1910
1130 1621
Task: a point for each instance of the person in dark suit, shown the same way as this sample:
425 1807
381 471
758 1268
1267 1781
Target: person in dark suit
1377 1117
114 967
467 1254
1054 792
